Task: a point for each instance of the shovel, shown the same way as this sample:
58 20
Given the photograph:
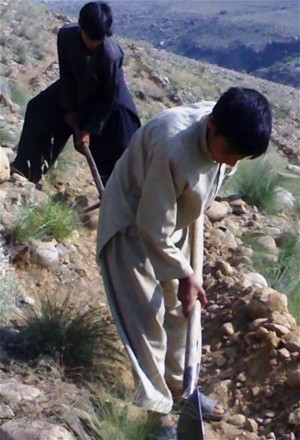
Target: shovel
94 170
190 424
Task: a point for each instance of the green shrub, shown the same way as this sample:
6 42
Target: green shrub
71 334
6 136
18 94
283 275
255 180
52 219
115 422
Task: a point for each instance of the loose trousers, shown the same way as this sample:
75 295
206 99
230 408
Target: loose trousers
45 134
148 317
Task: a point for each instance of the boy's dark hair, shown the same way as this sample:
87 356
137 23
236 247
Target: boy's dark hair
243 116
95 18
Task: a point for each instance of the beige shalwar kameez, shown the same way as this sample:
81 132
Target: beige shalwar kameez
163 182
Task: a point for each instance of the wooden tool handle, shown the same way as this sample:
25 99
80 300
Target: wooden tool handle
193 339
91 163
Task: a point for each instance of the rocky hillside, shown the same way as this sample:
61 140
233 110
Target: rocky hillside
251 353
260 38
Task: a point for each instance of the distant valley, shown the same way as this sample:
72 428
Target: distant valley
256 37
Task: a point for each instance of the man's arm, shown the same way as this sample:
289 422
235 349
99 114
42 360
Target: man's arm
68 85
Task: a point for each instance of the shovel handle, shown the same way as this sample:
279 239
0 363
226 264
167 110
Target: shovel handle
193 339
92 164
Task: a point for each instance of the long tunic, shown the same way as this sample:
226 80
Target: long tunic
163 183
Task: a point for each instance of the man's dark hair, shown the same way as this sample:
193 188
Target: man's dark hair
95 18
243 116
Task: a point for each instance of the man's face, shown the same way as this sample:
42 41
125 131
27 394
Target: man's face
90 44
219 148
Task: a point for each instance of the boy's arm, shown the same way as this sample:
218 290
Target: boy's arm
68 85
156 219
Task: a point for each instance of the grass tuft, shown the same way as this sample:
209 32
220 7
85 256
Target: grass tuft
255 180
115 421
72 335
52 219
283 275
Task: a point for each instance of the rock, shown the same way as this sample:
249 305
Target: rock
44 254
266 244
216 211
284 353
251 425
264 302
238 209
6 412
294 417
10 153
292 341
257 323
221 361
294 168
227 328
286 320
273 340
280 330
224 267
4 166
14 392
239 260
237 420
293 379
261 333
283 200
29 429
255 278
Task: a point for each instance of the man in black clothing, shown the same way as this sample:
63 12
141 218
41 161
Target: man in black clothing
91 94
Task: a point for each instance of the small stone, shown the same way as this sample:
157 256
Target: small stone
237 420
294 417
241 377
216 211
221 361
255 391
293 380
6 412
227 328
284 353
206 349
262 333
251 425
273 339
269 414
224 267
280 330
273 363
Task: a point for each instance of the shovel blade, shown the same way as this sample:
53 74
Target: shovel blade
190 423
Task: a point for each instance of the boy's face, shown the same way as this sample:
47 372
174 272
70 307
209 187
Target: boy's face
219 148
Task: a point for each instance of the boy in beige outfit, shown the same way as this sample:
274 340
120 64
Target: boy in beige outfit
166 179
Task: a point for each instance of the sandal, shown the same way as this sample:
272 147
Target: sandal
208 406
163 433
